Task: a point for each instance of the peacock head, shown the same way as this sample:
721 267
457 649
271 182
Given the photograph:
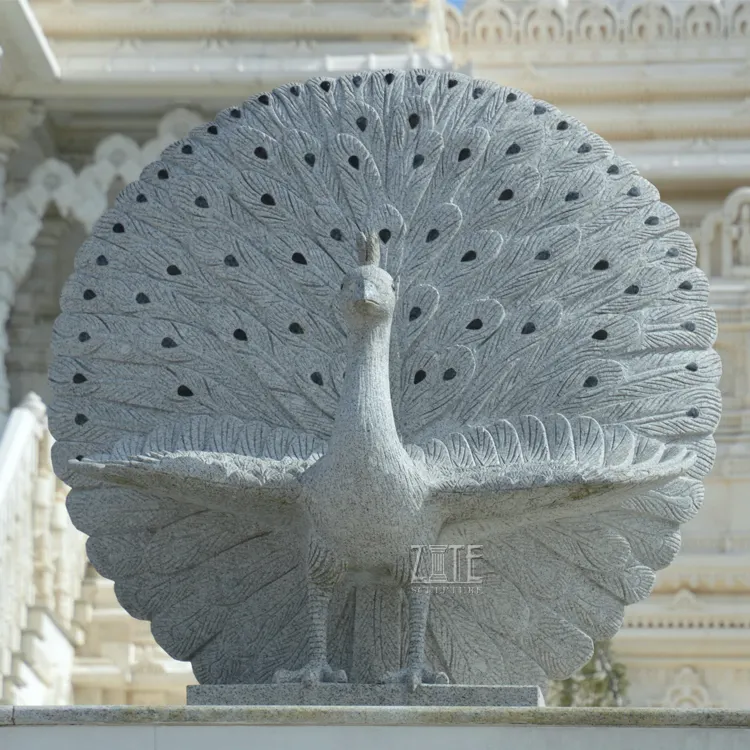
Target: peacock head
369 292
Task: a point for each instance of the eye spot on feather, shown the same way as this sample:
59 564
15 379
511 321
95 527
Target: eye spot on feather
141 198
184 391
296 328
511 97
261 153
414 313
325 85
469 256
634 192
452 82
449 374
389 78
317 378
601 265
591 382
231 261
419 376
418 161
385 235
613 169
263 99
357 81
173 270
686 285
310 159
563 125
168 343
354 162
513 149
475 325
633 289
692 413
420 80
201 202
187 149
118 228
432 235
362 123
689 326
102 261
692 367
83 337
299 259
142 299
81 419
573 195
600 335
235 112
673 252
414 120
267 199
89 294
79 458
294 90
212 129
336 234
506 195
539 109
240 335
162 174
584 148
528 328
478 91
79 378
542 255
652 221
464 154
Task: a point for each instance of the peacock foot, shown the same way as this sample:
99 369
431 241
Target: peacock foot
416 675
311 674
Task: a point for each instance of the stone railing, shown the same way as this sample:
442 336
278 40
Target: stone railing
42 565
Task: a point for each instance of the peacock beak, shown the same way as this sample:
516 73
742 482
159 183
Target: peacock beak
366 293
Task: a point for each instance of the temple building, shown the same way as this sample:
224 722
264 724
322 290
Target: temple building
92 91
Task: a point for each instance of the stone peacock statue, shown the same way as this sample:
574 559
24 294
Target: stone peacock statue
357 317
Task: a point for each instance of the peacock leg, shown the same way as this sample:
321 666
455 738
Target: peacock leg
417 671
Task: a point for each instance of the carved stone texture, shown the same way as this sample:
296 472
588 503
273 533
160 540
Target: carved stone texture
399 377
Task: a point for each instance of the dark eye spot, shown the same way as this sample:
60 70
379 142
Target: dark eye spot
414 120
79 458
385 235
584 148
475 324
162 174
267 199
420 80
613 169
83 337
299 259
453 82
357 81
337 235
689 326
240 335
414 313
184 391
317 378
633 289
173 271
235 112
310 159
79 378
562 125
652 221
354 162
263 99
296 328
81 419
168 343
432 235
118 228
419 376
142 299
89 294
449 374
692 413
634 192
261 153
212 129
389 78
513 149
528 328
511 97
201 202
573 195
141 198
673 252
542 255
601 265
418 161
539 109
231 261
325 85
506 195
686 285
599 335
692 367
362 123
464 154
478 91
591 382
102 261
294 90
187 149
471 255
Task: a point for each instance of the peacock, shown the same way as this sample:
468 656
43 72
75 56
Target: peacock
362 317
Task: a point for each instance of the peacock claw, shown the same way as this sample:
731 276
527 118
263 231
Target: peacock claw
311 674
415 676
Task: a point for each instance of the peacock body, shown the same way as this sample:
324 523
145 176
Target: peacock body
360 316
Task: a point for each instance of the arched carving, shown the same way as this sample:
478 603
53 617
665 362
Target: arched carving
491 23
596 23
702 21
454 25
651 21
687 691
724 244
543 24
740 21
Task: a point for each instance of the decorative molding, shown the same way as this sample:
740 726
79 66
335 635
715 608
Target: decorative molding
688 690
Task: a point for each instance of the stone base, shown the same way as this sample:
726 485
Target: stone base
330 694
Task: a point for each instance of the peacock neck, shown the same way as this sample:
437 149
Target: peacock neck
364 419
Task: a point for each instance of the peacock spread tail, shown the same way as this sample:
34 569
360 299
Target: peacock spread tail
544 293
